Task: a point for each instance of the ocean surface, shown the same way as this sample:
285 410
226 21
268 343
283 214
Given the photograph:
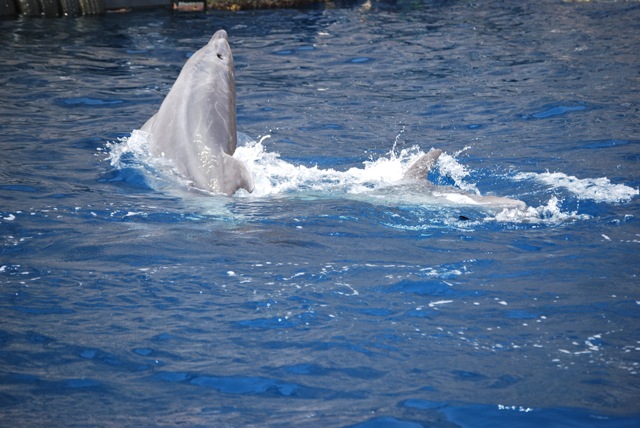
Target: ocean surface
337 294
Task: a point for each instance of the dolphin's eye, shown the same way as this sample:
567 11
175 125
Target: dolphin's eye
220 56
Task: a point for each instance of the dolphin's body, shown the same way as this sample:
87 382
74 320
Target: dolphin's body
195 127
420 168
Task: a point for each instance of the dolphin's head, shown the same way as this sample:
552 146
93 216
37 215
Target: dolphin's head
219 46
216 73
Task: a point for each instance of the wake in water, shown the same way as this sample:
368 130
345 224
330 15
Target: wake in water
380 181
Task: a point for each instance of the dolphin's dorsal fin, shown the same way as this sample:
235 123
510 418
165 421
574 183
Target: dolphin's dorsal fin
422 166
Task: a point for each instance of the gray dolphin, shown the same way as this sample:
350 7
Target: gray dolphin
420 168
195 126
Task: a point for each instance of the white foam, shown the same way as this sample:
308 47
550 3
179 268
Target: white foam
449 166
378 181
135 144
274 176
133 152
549 213
596 189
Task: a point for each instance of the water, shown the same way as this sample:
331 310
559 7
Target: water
334 295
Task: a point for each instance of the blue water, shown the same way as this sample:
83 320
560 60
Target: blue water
129 300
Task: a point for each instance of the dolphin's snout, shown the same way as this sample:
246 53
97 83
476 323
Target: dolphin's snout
220 34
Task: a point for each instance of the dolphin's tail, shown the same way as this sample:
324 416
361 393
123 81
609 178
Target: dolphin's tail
422 166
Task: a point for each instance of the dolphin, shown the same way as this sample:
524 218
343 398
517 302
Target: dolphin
420 169
195 127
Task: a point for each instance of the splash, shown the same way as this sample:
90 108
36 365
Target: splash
596 189
449 166
274 176
378 181
550 213
133 153
136 145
